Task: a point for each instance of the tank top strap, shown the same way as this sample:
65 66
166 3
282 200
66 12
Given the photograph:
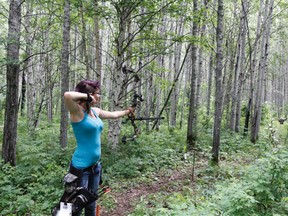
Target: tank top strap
95 113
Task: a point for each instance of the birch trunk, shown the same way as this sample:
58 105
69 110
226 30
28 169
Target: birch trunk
253 63
241 65
218 81
235 84
84 43
118 89
48 81
192 118
98 53
28 70
175 94
261 71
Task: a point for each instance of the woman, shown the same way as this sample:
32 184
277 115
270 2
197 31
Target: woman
87 127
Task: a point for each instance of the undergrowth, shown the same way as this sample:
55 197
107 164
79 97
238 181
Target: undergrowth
251 179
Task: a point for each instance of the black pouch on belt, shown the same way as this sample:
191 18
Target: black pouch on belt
75 171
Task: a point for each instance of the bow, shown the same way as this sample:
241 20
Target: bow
137 99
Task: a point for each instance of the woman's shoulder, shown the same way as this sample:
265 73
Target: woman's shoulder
96 110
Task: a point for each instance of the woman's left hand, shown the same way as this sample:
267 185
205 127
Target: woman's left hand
131 110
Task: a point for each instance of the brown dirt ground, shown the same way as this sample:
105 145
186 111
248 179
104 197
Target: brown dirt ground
124 200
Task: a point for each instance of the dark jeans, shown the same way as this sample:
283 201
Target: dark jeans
91 181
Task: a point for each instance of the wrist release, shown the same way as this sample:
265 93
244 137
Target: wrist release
89 98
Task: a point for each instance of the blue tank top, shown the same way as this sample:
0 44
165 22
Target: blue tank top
88 136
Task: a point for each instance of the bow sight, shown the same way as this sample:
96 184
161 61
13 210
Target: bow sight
137 99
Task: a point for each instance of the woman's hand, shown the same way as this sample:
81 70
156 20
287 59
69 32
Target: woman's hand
131 110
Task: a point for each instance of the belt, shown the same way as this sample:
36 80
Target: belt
91 168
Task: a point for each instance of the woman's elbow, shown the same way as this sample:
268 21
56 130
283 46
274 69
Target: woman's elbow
67 95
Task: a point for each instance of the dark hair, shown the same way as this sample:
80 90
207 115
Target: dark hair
89 87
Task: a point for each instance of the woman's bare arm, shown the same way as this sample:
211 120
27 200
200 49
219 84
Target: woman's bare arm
111 115
70 100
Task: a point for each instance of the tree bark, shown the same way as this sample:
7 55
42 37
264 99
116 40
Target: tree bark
236 82
65 73
84 44
12 78
261 72
218 90
98 53
117 79
242 62
253 61
177 57
192 117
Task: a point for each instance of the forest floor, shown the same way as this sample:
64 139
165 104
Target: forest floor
126 199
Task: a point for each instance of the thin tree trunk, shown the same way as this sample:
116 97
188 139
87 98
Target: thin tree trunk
253 60
218 90
261 72
28 70
241 65
49 82
84 43
231 52
73 59
235 85
12 77
65 73
192 117
98 53
209 91
175 94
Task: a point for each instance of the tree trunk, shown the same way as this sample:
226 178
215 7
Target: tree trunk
261 72
84 45
12 77
118 91
231 52
253 60
65 73
218 90
235 84
242 62
28 71
192 117
49 82
98 53
177 57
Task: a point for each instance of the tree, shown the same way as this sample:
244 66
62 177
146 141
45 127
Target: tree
252 67
239 72
264 47
192 119
84 40
28 72
218 81
177 57
12 78
126 10
98 53
65 72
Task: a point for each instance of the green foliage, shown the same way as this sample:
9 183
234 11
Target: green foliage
35 184
242 185
147 154
260 188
